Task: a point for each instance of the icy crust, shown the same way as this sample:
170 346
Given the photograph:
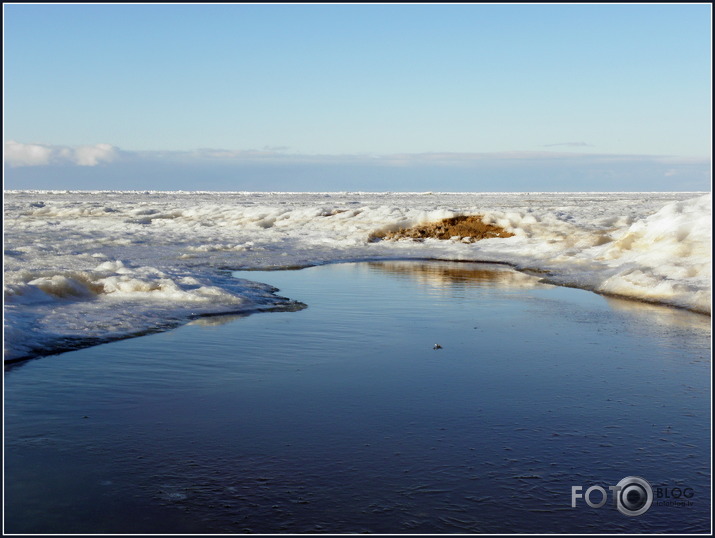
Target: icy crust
109 264
48 311
665 257
114 280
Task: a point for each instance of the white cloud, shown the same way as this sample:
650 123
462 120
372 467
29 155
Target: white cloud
19 154
273 169
27 155
93 155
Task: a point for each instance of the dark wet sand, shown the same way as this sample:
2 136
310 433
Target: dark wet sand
343 418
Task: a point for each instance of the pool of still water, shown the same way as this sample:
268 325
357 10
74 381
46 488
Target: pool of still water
343 418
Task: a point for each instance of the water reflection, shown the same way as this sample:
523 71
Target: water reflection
641 317
445 274
215 321
663 316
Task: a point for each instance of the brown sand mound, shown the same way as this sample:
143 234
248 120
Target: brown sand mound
466 228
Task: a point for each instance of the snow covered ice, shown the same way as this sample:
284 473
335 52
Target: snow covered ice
85 267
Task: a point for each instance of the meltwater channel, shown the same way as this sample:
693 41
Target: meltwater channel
408 397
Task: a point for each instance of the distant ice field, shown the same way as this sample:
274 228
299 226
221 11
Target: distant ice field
83 267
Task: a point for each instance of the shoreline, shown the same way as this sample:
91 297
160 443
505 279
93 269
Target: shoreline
294 305
531 271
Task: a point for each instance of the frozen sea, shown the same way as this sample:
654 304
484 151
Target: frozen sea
88 267
374 390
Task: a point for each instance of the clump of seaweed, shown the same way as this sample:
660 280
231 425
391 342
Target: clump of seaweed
467 229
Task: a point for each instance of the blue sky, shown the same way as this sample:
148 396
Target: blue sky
338 91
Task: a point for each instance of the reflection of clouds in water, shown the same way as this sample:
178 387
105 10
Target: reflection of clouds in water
442 275
654 315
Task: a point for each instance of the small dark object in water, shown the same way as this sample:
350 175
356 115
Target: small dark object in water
437 346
